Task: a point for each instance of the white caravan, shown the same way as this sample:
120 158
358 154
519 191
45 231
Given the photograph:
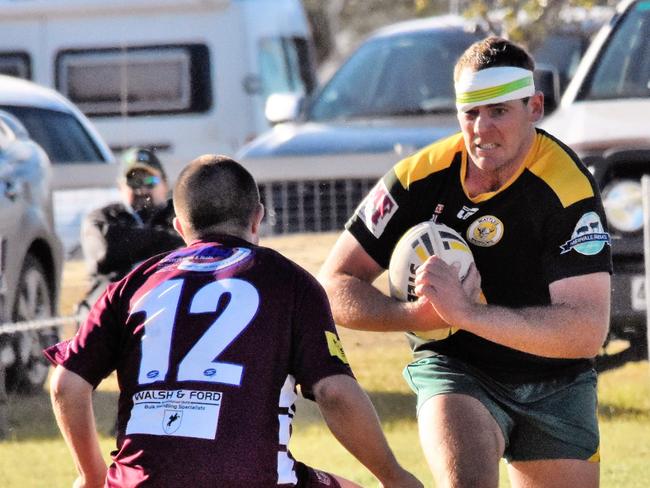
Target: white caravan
184 77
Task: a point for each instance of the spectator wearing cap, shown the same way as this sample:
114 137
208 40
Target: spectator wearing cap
116 237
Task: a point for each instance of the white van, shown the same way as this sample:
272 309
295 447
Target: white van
183 77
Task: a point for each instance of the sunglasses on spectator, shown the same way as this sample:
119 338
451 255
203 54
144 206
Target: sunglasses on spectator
140 181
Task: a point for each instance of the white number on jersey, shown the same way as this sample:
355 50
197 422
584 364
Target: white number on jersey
200 363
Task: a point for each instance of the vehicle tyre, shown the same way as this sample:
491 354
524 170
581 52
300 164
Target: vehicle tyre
33 301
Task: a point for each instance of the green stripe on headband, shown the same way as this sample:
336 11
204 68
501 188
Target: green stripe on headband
494 91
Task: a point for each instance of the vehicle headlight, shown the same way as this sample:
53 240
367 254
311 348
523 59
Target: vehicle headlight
623 205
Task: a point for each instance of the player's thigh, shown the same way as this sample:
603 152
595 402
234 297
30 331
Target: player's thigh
461 439
558 473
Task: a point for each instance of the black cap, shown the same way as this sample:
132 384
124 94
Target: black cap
141 158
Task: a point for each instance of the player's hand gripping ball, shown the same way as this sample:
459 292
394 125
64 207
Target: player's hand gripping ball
414 247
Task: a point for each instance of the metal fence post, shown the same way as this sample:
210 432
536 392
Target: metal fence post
645 197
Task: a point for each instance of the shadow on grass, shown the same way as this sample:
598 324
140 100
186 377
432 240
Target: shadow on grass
618 412
31 416
390 406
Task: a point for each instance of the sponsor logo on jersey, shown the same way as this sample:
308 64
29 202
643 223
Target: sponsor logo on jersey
466 212
485 231
172 420
335 347
214 258
377 209
589 236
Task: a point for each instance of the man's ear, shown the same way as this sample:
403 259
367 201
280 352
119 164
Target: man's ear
257 220
536 104
178 227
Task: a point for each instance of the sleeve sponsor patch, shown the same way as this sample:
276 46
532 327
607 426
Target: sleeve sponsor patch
335 347
588 237
377 209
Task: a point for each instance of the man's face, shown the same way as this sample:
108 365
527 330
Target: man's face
498 136
143 190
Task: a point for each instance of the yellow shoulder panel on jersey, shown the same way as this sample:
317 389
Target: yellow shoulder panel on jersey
560 172
433 158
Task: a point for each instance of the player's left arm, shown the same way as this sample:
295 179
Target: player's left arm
71 397
573 325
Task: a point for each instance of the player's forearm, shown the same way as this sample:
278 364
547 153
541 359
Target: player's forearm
352 419
556 331
358 305
72 404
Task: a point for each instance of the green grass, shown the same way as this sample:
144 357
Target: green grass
35 455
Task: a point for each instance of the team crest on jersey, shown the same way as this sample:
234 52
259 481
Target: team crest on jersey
589 236
377 209
172 420
485 231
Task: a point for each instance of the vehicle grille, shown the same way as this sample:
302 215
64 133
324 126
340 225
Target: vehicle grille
311 205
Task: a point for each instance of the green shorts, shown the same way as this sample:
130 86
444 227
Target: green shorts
555 419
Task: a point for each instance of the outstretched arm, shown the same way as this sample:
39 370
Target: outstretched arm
347 276
351 417
72 403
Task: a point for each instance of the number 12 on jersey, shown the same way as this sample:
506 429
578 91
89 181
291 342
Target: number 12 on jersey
200 363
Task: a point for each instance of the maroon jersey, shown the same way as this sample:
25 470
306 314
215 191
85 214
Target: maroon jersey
209 343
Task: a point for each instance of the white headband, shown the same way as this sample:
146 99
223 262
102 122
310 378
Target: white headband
492 85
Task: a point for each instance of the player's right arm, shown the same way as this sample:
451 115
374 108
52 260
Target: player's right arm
347 276
72 403
352 419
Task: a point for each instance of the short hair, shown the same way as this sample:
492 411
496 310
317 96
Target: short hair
492 52
214 191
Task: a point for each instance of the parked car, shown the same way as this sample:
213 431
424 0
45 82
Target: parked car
30 254
393 95
603 116
83 169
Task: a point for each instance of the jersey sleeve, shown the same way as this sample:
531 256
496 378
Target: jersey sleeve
578 241
381 218
317 351
92 352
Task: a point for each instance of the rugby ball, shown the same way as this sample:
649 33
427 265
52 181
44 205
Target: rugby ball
414 247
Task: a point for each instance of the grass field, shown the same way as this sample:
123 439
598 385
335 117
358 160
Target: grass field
35 456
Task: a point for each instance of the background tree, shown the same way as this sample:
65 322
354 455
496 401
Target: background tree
339 25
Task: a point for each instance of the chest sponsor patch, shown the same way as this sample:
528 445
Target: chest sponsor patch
377 209
588 237
485 231
183 413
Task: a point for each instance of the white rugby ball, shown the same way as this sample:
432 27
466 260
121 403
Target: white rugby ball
414 247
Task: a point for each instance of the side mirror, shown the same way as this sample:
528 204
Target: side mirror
283 107
547 80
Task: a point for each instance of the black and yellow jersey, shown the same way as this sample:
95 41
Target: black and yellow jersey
546 223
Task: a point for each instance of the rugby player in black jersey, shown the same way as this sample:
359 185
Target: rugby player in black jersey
516 379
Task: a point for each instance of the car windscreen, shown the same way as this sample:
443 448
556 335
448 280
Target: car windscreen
623 70
406 74
60 134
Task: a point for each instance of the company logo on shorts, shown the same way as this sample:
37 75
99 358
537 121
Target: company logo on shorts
485 231
588 236
377 209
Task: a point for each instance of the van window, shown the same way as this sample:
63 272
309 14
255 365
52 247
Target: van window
285 65
136 80
16 64
623 71
60 134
